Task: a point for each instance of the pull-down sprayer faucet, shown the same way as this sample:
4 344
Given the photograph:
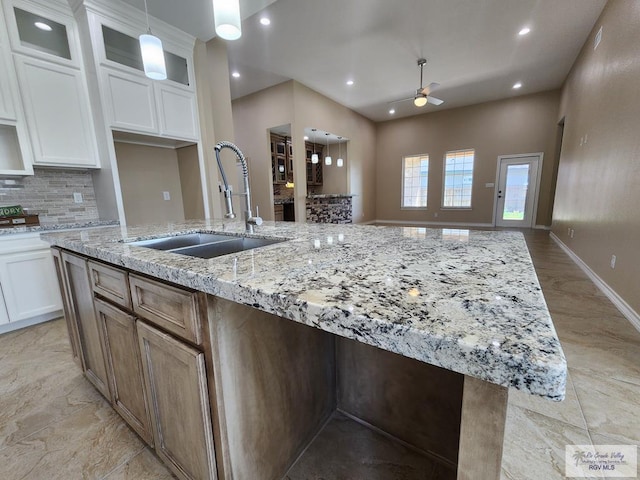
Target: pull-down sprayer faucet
249 219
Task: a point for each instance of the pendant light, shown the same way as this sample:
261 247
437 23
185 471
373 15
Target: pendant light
327 159
340 161
152 53
226 15
314 155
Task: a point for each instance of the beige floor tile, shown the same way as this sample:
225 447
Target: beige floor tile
144 466
85 445
614 359
567 411
598 439
610 406
534 445
37 404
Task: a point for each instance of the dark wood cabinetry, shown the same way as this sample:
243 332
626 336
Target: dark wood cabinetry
314 170
281 159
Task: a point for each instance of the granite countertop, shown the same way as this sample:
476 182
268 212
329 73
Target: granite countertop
283 201
469 302
47 227
330 195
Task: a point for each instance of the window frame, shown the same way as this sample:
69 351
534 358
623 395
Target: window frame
444 180
402 205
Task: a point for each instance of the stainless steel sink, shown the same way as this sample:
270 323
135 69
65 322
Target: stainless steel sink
206 245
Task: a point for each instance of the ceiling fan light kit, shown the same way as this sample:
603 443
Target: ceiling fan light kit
423 94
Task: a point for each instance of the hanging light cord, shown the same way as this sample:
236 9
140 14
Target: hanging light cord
146 12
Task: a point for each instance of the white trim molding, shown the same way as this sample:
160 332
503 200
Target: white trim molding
624 308
542 227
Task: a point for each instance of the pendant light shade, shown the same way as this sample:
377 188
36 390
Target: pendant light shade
314 155
327 159
340 161
153 57
226 14
152 53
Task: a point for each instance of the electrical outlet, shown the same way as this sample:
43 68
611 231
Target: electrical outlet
613 261
166 195
571 234
77 197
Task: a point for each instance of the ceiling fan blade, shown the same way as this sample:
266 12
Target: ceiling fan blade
429 88
401 100
434 101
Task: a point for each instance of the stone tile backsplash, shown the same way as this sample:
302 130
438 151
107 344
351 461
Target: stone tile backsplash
49 193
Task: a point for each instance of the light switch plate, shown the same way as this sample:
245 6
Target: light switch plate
166 195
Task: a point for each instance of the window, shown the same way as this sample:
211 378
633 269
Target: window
458 179
415 180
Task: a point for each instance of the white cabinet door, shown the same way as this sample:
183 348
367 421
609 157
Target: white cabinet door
4 317
129 101
56 104
7 112
178 112
29 284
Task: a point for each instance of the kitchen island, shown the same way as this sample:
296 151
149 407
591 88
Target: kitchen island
417 335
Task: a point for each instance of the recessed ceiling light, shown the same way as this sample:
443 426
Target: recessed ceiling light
43 26
235 75
516 86
265 21
392 111
524 31
349 82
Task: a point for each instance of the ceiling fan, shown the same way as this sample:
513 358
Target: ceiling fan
423 94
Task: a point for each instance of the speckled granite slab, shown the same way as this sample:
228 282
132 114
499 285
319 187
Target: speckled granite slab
47 227
465 301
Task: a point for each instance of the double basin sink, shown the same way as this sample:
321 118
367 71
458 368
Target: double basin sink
206 245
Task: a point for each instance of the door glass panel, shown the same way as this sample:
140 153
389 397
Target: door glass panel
42 34
125 50
515 197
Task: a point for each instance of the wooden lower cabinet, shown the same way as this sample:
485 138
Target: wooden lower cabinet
80 298
74 339
176 382
124 367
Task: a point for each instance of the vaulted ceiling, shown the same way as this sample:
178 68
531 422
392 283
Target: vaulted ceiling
473 47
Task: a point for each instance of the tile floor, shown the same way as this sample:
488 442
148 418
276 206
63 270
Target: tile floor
54 425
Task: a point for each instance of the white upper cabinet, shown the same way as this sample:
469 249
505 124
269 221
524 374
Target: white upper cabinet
46 32
51 80
7 111
58 115
132 102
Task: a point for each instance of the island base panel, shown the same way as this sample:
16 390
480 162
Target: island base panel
484 413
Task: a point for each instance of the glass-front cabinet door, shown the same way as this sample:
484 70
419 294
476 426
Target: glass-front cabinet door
42 32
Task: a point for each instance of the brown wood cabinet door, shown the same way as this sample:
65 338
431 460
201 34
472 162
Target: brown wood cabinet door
124 365
81 302
72 328
176 382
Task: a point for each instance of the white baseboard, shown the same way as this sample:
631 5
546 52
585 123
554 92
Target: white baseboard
542 227
434 224
368 222
11 326
626 310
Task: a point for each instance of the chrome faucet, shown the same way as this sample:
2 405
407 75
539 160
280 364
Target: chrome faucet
249 219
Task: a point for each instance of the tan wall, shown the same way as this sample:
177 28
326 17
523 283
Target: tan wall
190 182
334 178
315 110
597 191
146 172
253 116
525 124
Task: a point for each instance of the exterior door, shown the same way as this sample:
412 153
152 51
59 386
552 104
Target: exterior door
517 192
